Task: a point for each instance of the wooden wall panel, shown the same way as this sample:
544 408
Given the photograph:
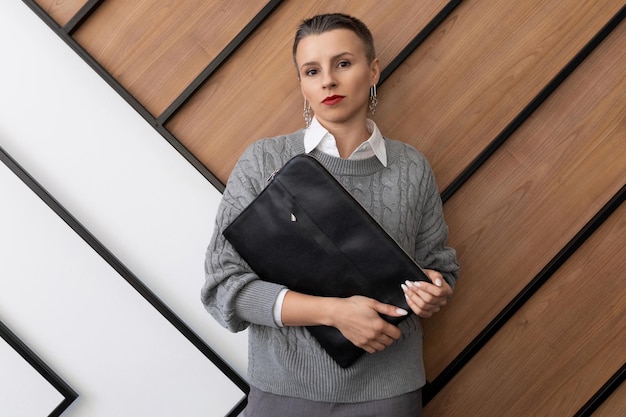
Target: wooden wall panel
481 67
155 49
560 348
61 10
533 196
256 93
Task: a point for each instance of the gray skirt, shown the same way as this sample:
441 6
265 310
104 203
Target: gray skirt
263 404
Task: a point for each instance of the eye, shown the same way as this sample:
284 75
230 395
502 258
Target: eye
343 64
310 72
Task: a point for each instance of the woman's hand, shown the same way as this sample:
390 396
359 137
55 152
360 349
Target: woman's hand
358 319
426 299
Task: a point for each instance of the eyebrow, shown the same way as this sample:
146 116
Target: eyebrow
334 57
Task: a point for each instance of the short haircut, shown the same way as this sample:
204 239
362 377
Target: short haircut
326 22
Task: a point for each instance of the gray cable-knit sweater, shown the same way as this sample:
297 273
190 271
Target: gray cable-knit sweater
404 198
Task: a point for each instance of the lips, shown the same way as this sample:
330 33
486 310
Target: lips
330 100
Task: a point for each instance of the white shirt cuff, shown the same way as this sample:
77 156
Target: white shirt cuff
278 307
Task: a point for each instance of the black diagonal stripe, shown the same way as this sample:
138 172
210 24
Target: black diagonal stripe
418 40
533 105
69 395
603 393
124 272
81 16
219 60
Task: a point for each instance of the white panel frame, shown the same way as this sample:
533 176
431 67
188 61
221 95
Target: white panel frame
149 208
29 387
115 349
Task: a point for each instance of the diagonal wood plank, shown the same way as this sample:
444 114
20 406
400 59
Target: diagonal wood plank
256 93
560 348
478 70
61 11
534 194
155 49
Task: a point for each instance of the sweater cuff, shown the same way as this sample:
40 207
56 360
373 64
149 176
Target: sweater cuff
255 302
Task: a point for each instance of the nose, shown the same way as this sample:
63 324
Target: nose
328 80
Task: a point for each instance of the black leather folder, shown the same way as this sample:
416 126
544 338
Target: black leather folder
305 231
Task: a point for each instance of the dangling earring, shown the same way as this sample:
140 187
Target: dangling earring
373 99
307 113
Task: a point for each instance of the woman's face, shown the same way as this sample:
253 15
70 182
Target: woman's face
335 76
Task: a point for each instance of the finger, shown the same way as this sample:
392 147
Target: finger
386 340
440 289
380 342
417 291
422 303
390 310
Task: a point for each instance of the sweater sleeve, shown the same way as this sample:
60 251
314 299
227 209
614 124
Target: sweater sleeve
232 293
431 244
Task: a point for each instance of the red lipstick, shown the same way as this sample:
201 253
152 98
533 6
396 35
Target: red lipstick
334 99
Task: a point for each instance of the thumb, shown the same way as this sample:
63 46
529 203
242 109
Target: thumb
390 310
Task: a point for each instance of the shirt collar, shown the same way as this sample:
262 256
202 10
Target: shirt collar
317 137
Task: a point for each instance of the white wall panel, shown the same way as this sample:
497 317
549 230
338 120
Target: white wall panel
128 187
100 335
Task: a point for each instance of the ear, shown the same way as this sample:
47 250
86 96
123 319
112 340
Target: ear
302 90
375 71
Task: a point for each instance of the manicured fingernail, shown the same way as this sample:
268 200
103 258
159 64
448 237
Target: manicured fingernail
401 311
404 287
438 282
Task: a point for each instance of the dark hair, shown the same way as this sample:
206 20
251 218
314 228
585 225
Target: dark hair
326 22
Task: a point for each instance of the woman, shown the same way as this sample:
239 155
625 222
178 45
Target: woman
289 373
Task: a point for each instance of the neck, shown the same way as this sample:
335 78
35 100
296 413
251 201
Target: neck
349 136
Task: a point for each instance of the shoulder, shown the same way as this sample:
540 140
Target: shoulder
403 153
406 160
263 157
273 152
291 143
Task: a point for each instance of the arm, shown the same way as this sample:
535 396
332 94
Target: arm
357 318
232 292
439 260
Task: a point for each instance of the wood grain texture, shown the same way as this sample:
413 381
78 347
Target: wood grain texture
532 197
478 70
61 10
156 49
560 348
256 94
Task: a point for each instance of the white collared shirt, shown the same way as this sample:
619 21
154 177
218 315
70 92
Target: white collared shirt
317 137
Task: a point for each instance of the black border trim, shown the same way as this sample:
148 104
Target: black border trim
29 356
603 393
432 389
219 60
533 105
86 11
81 16
238 409
124 272
418 40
